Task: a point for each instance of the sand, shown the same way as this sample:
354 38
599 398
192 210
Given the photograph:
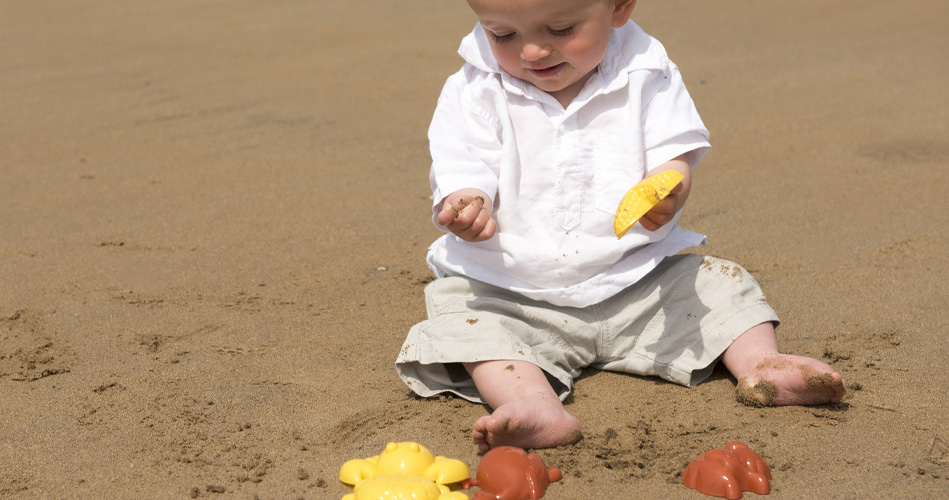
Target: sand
214 215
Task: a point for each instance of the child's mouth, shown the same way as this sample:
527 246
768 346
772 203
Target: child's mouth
547 72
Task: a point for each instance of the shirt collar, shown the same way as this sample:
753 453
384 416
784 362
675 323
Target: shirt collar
475 49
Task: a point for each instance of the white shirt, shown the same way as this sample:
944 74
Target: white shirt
555 175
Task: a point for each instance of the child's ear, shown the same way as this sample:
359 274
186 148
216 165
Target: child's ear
622 9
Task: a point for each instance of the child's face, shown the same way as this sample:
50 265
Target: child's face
554 44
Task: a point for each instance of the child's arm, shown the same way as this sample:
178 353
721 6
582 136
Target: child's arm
467 214
666 209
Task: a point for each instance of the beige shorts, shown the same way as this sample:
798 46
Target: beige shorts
674 323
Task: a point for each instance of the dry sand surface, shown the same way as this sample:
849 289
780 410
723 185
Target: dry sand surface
213 220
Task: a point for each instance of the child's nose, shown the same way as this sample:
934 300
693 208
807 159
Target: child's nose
532 51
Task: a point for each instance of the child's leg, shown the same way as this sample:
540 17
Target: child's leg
527 411
767 377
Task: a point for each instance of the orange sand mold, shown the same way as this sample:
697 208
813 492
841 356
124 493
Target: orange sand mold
728 471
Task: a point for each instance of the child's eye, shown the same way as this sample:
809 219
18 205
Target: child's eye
564 32
501 38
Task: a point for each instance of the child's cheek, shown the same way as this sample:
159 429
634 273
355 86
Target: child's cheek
508 58
583 53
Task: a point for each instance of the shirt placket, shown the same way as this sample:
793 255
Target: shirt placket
569 190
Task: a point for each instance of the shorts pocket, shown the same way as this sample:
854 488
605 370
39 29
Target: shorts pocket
448 295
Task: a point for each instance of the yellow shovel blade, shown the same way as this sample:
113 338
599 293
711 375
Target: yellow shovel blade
642 197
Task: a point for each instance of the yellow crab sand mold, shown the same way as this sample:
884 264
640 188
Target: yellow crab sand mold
642 197
404 471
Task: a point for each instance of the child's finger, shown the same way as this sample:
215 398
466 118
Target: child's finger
667 206
469 209
451 212
481 229
490 227
447 215
660 215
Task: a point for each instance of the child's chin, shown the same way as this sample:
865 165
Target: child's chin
550 86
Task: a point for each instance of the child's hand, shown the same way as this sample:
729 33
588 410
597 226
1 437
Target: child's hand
665 210
467 214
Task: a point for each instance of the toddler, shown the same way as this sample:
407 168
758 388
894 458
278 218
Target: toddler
560 108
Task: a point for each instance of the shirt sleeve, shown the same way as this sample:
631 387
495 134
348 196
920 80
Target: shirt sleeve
671 123
464 139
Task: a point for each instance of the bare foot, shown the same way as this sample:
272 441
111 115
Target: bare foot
534 422
785 379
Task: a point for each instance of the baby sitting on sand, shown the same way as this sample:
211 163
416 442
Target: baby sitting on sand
560 108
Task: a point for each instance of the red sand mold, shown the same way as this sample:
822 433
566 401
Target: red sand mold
728 471
510 473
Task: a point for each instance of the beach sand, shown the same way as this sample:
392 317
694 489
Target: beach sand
214 217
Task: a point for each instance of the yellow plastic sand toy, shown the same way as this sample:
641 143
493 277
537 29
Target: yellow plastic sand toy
404 471
642 197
